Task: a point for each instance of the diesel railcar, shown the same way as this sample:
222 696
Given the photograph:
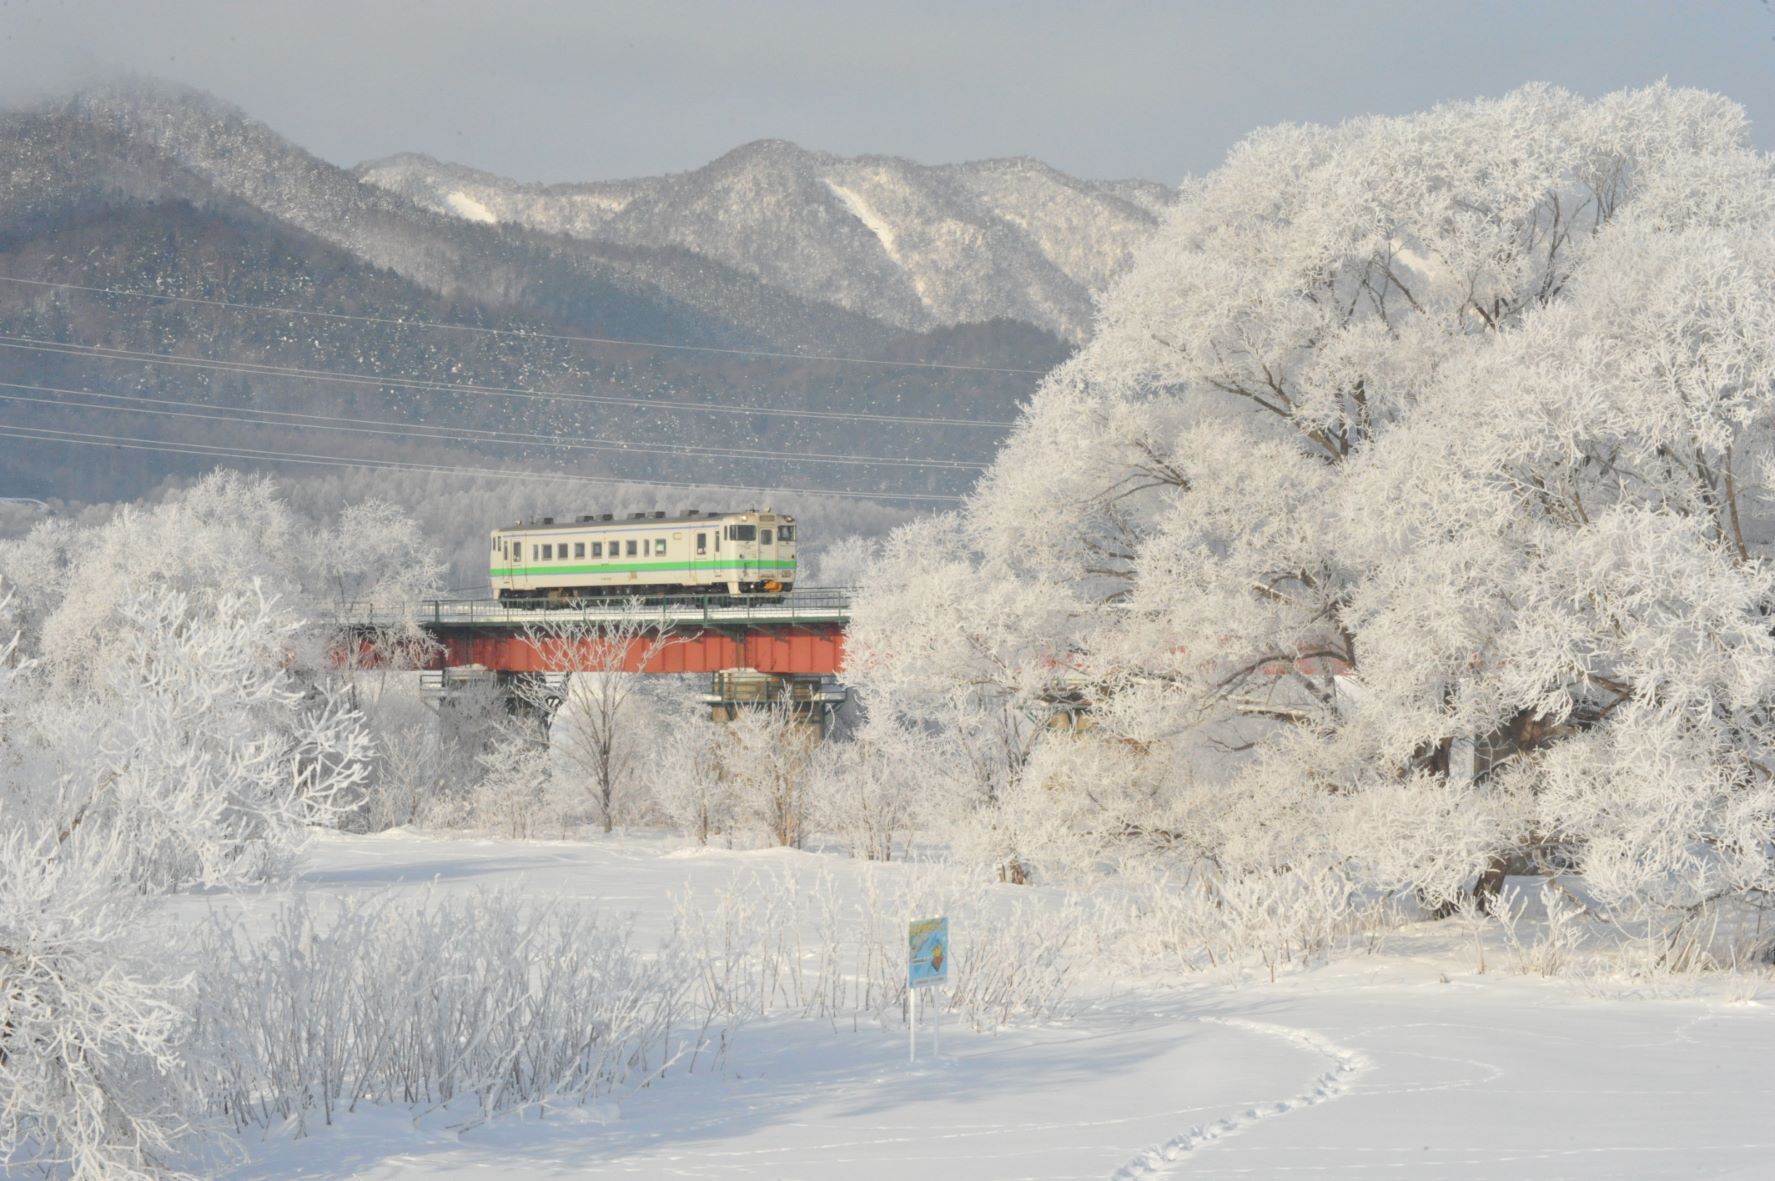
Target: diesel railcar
645 554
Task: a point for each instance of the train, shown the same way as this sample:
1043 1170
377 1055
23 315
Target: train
645 555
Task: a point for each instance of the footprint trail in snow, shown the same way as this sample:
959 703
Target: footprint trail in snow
1346 1064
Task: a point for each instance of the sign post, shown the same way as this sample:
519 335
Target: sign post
927 964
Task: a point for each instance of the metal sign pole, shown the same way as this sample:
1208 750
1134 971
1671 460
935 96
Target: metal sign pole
912 1026
927 963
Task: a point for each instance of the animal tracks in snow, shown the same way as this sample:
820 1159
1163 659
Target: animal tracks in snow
1346 1064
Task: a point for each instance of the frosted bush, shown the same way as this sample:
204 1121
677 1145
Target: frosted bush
486 1004
92 1023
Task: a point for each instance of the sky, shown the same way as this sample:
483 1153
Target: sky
589 90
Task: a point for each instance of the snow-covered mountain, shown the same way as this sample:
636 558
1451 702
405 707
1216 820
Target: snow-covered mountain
151 140
142 186
913 246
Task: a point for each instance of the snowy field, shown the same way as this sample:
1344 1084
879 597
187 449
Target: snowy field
1404 1063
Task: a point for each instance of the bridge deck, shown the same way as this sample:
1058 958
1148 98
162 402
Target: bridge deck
831 607
800 633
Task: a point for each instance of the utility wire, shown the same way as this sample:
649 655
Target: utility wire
257 369
516 332
135 443
377 426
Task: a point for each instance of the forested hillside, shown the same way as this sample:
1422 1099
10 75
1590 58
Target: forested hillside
180 286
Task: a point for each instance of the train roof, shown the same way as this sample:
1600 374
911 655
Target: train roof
688 517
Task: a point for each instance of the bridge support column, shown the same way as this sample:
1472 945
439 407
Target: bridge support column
532 697
813 700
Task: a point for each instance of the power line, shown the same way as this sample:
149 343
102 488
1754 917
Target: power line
518 332
375 426
134 443
258 369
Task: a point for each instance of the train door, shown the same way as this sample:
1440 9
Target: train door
767 559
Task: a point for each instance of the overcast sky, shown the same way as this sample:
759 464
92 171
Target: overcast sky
590 90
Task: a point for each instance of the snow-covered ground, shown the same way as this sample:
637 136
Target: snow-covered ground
1403 1063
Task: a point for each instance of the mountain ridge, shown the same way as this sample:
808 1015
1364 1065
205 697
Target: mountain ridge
149 187
914 245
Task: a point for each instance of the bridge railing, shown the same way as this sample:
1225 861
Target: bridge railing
824 605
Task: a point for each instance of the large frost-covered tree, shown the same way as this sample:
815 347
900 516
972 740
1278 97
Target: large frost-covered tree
1402 436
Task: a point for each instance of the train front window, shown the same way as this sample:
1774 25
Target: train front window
786 533
745 533
764 537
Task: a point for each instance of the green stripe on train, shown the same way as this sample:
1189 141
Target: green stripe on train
542 568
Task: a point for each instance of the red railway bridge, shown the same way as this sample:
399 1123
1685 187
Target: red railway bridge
795 635
755 649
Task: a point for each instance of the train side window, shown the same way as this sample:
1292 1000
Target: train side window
764 537
659 546
579 549
548 553
597 549
702 543
631 549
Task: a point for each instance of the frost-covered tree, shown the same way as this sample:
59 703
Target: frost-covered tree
940 637
225 532
376 556
686 776
765 760
1399 440
373 563
197 744
193 756
867 787
597 731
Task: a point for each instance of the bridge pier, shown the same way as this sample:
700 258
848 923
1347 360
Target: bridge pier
531 696
813 700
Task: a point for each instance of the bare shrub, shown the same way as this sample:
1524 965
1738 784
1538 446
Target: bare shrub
486 1003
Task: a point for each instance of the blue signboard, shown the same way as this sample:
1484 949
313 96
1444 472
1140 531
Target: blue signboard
927 946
